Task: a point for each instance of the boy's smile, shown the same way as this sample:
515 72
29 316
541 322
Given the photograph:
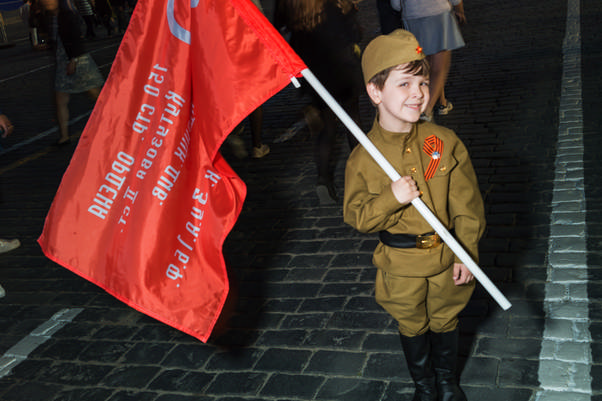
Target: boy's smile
401 101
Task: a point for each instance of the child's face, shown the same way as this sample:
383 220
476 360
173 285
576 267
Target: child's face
401 101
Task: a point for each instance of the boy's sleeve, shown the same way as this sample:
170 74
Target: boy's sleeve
466 204
363 209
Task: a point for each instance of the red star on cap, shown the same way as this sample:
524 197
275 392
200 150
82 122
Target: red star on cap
418 50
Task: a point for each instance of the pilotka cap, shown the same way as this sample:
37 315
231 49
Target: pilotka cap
385 51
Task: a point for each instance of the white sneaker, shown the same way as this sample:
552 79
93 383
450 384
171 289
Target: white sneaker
444 110
261 151
8 245
2 292
237 145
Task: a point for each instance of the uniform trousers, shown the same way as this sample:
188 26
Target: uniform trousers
420 304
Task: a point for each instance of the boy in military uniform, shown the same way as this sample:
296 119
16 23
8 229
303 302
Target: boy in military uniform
420 282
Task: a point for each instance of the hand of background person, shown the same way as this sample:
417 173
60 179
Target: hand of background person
405 190
459 11
71 66
5 126
461 274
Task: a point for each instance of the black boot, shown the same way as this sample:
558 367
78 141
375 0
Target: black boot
445 360
417 351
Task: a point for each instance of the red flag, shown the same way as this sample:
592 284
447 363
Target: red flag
147 200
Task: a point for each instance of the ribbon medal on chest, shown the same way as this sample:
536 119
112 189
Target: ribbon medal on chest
433 147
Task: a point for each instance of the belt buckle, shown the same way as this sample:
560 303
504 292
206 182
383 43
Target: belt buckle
427 241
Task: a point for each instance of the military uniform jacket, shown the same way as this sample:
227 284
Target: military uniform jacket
452 194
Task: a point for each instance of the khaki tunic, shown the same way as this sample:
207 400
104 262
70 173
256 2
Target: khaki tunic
452 194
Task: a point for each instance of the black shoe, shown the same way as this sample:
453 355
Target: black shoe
327 193
62 142
417 351
445 361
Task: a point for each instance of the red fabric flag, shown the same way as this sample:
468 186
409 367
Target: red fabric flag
147 200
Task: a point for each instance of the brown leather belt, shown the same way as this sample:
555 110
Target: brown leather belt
423 241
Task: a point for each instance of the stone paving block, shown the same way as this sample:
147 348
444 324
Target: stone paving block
573 351
341 245
234 360
346 339
560 376
349 289
343 275
105 351
277 338
35 391
382 342
525 327
306 321
235 338
311 261
236 383
115 332
481 371
351 390
497 393
147 353
130 376
259 320
131 396
569 274
288 290
508 348
365 304
177 380
297 386
387 366
336 363
353 259
358 320
283 360
180 397
518 373
61 349
568 310
76 373
322 304
305 274
24 347
562 396
154 332
282 305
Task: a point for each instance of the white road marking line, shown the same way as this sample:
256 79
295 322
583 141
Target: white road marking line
20 351
565 357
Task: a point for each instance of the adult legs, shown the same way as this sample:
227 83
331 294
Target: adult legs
389 19
440 64
62 113
323 154
62 116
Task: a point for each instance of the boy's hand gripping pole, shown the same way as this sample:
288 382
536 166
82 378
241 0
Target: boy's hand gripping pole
418 203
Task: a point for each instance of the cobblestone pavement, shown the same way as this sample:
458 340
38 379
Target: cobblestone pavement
302 323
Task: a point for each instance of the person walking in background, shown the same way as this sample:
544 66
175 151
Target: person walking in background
389 18
6 128
76 71
87 13
325 34
105 13
435 25
237 144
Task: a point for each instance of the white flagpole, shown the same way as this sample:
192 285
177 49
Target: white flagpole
418 203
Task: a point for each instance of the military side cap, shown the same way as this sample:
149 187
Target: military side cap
385 51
